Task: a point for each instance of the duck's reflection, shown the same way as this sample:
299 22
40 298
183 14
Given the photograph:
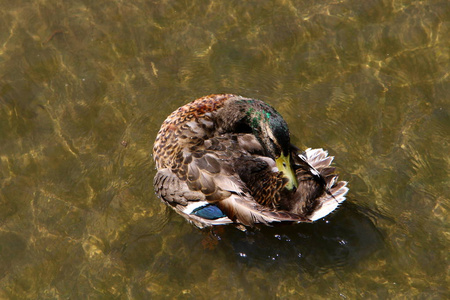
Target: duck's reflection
342 239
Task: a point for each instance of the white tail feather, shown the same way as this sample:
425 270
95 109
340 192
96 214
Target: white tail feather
318 158
329 203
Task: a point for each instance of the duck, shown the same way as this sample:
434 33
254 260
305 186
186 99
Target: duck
227 159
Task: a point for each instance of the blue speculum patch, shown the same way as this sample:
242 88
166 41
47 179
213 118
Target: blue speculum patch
209 211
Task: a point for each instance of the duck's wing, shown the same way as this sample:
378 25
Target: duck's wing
206 175
244 210
173 190
214 174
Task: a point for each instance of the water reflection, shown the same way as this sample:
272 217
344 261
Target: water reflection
340 241
366 80
200 262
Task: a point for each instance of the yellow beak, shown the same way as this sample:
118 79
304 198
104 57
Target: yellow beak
284 165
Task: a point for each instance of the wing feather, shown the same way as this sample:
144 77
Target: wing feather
243 210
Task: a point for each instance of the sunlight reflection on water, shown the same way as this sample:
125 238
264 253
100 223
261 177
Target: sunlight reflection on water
84 88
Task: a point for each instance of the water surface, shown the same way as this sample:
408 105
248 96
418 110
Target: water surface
85 85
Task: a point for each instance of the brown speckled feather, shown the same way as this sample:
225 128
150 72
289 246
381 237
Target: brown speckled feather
186 127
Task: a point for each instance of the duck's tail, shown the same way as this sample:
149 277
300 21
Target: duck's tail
335 191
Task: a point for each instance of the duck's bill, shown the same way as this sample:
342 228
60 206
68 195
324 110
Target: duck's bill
284 166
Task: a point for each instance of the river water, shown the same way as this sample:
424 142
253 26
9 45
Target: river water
85 86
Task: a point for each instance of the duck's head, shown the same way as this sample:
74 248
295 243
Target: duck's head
267 125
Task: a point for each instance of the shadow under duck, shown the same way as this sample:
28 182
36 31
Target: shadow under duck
225 159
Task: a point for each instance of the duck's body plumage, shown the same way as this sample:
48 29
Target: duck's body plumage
225 159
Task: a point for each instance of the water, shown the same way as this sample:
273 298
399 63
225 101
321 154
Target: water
84 87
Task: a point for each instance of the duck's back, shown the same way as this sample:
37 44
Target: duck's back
187 126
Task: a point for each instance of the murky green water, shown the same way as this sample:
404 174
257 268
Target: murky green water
85 85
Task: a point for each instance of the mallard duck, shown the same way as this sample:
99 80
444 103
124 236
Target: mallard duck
226 159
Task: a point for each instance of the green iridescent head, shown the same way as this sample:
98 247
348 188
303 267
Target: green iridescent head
266 124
